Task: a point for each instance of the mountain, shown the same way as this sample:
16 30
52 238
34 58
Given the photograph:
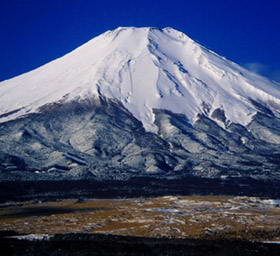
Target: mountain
137 102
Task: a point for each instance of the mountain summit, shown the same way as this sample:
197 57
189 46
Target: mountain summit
145 69
137 101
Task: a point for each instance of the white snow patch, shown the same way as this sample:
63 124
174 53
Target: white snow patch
33 237
272 202
271 242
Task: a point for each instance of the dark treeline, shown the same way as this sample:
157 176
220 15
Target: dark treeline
136 187
85 244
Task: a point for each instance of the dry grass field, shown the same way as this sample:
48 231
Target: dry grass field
201 217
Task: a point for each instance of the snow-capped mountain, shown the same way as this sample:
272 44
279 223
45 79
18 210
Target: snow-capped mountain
134 101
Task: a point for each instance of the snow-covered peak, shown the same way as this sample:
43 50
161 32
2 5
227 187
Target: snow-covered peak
144 68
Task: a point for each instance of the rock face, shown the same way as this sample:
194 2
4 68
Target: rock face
137 102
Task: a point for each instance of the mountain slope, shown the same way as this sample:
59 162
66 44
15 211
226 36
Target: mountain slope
144 68
138 101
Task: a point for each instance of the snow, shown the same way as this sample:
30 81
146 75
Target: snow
271 242
169 210
145 69
272 202
33 237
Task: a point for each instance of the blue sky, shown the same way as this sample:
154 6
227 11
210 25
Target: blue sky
34 32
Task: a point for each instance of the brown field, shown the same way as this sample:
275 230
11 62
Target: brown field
208 217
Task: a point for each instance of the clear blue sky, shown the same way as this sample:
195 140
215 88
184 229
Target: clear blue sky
34 32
